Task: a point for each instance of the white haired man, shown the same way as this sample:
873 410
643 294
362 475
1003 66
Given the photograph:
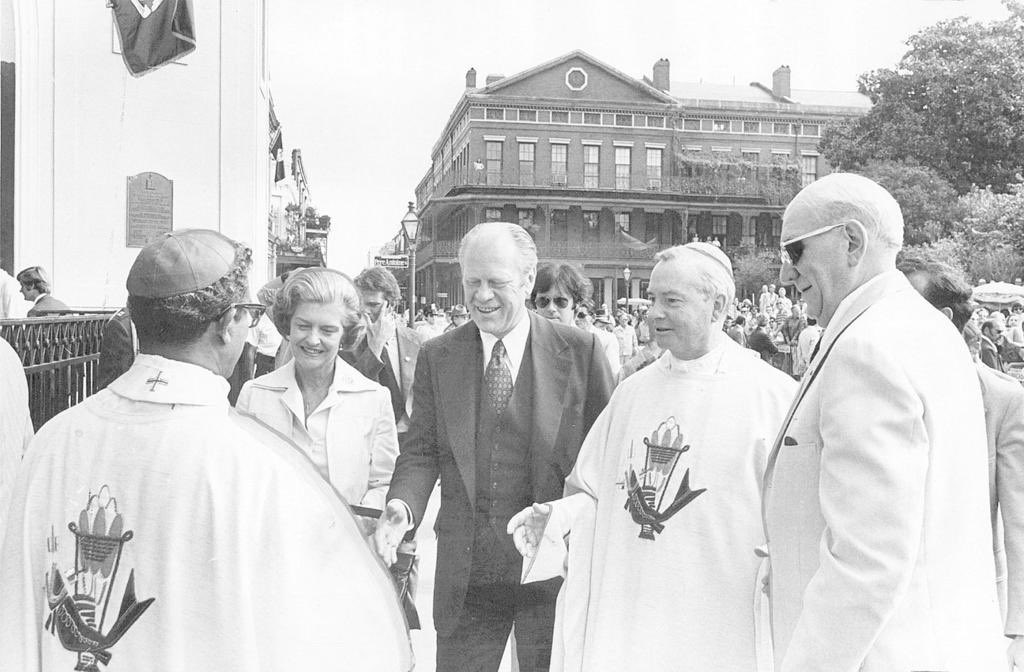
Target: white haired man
500 410
876 502
662 509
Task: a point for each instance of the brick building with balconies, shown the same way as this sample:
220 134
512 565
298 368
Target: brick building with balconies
604 169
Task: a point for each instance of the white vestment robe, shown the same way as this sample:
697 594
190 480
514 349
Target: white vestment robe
684 599
152 528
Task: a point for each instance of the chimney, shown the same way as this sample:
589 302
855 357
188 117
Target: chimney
491 79
661 75
471 78
780 82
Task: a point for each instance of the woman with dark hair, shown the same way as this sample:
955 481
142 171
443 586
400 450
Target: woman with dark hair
341 420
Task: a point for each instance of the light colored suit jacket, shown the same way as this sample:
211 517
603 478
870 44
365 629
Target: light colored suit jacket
1004 421
362 444
876 499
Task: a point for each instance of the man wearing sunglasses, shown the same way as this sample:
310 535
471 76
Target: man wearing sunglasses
876 503
202 524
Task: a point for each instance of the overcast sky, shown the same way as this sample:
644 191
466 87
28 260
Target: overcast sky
364 87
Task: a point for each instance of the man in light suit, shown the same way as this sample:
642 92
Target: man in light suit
876 502
385 351
501 407
1003 396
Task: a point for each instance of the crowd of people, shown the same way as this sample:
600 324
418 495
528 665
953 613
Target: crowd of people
825 477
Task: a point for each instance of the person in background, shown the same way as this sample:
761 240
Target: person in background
876 503
35 287
458 317
265 337
761 341
643 329
118 348
1013 340
766 300
805 344
211 538
502 407
601 327
625 334
736 330
1003 397
991 341
341 420
559 292
383 349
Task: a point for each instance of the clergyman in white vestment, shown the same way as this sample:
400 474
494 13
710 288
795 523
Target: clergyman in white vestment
663 507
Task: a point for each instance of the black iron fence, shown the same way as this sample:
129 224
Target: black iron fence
60 354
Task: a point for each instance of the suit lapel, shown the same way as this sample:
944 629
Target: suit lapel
551 375
890 282
460 371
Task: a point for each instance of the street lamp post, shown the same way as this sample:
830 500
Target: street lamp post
411 225
626 273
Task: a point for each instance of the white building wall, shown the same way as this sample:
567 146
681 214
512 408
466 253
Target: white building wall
85 124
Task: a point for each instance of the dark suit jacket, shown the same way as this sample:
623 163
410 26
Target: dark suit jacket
362 359
572 384
47 304
990 354
762 343
117 349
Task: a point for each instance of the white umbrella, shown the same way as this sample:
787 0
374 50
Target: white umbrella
998 293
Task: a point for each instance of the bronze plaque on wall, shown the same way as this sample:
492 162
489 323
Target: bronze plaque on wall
150 208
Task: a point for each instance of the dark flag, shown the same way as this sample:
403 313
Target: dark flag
153 32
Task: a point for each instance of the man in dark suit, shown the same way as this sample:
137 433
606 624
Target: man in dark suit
502 405
385 351
991 339
35 287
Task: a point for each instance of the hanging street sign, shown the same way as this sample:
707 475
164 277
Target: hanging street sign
392 260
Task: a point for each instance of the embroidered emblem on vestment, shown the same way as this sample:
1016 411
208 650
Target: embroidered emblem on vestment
78 601
646 490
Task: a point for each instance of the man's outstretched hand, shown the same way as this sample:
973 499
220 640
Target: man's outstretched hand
527 528
391 528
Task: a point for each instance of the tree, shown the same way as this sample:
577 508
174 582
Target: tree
954 103
753 268
991 232
929 202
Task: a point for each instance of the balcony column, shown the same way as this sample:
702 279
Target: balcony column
609 294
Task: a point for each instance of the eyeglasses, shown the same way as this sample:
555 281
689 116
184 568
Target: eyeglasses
793 249
560 302
255 310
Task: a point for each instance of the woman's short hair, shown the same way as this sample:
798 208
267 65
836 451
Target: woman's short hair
181 319
565 276
35 277
316 285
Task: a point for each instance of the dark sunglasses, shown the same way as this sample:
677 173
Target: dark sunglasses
255 310
560 302
581 315
793 249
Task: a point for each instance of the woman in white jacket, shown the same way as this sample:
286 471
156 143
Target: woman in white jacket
341 420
